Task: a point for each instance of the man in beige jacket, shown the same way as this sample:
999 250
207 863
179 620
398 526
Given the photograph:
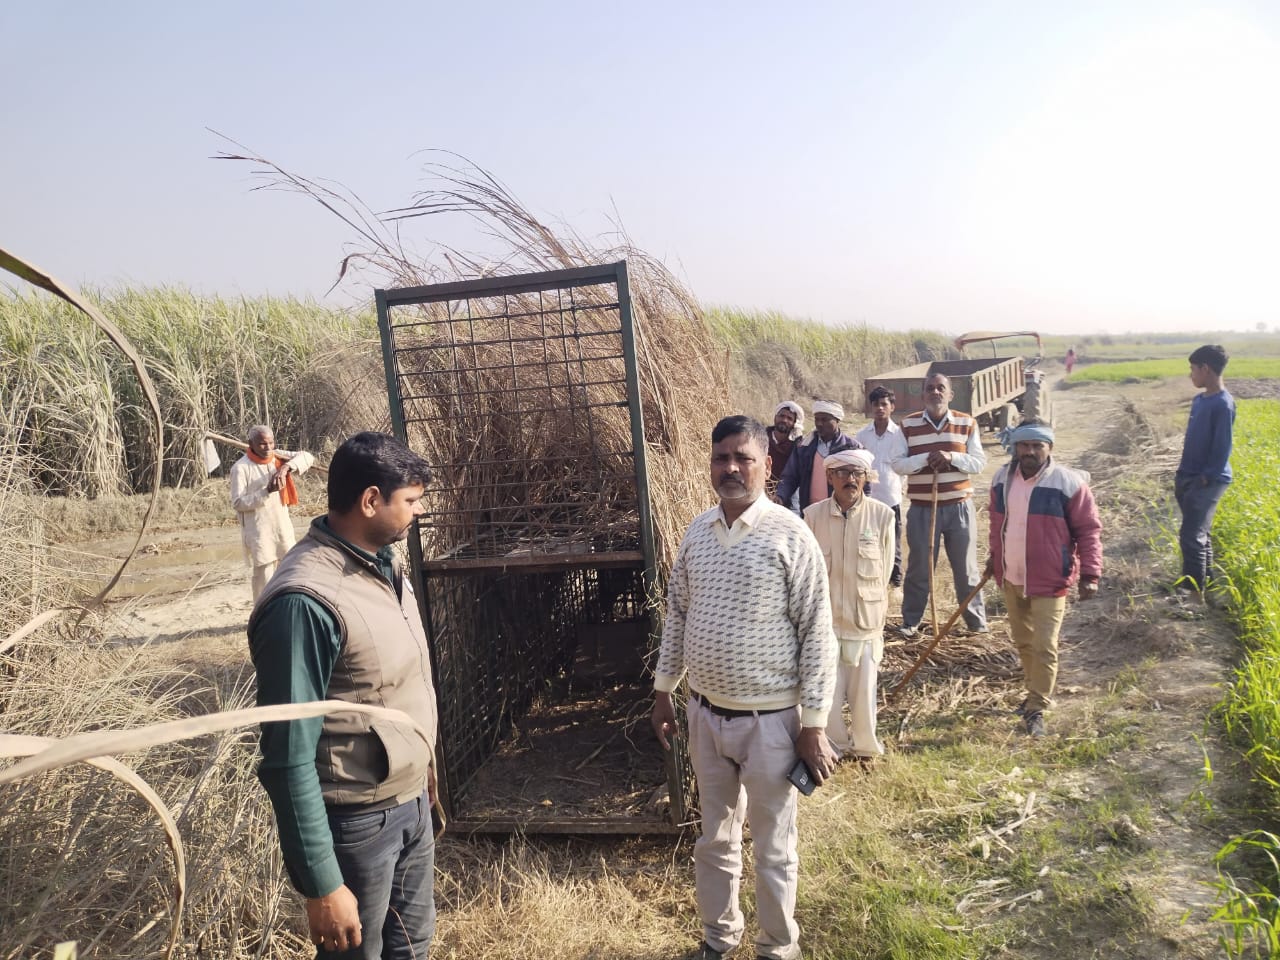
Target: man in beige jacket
262 490
856 534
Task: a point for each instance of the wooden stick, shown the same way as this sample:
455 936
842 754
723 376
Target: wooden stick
933 555
241 445
937 638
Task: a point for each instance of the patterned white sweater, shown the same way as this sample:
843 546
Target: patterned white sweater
749 614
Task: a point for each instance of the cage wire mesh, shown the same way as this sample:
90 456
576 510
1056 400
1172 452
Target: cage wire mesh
535 551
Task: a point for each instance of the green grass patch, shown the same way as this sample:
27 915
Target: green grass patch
918 860
1245 368
1246 532
1152 346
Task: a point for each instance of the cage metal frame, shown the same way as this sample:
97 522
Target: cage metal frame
494 569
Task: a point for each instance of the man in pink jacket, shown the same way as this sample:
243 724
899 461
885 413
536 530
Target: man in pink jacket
1045 532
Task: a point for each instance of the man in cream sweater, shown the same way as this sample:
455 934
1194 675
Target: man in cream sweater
749 619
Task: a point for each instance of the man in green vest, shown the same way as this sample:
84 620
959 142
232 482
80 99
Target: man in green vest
352 796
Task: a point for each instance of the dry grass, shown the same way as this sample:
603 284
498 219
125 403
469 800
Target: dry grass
84 841
773 357
683 376
222 365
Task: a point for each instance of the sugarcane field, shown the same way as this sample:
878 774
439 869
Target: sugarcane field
640 485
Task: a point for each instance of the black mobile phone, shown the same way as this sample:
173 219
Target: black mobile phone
802 778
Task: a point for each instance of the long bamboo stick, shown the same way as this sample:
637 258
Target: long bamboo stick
933 555
241 445
937 638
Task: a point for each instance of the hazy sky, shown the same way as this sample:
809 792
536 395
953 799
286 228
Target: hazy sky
1067 166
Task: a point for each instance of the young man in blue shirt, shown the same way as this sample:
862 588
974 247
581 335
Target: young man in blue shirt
1205 470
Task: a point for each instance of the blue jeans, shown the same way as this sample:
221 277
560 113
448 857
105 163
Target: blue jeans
957 530
388 862
1198 503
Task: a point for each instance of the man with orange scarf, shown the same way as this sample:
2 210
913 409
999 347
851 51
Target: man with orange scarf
262 491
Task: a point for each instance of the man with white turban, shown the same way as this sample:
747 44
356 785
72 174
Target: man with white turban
788 427
856 534
805 473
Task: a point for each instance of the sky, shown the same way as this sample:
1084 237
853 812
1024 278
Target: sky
1069 167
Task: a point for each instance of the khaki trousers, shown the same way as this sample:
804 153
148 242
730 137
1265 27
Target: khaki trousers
261 574
741 765
1034 623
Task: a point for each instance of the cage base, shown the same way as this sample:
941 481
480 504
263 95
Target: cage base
585 761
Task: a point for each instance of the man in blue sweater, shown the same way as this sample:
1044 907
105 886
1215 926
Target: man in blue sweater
804 473
1205 469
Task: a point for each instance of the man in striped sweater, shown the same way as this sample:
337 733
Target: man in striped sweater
940 445
749 618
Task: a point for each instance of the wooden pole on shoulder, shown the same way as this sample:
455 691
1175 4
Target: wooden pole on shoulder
242 446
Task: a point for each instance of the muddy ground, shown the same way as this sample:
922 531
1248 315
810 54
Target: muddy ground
190 594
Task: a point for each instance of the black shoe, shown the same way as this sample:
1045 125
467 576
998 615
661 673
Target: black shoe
1021 709
1035 724
706 952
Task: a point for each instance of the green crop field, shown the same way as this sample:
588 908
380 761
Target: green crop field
1245 368
1245 533
1156 346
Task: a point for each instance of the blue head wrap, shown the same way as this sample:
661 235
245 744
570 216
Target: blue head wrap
1029 431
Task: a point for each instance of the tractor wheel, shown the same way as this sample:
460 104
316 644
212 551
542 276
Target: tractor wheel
1036 402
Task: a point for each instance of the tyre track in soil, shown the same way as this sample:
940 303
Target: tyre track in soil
1181 659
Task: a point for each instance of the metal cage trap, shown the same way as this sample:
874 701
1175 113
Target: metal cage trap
535 555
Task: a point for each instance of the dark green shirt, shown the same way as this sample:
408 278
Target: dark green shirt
295 644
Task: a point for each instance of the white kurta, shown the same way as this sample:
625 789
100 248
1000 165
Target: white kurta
265 528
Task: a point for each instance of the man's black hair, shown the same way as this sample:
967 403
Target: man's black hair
882 393
372 460
731 426
1211 355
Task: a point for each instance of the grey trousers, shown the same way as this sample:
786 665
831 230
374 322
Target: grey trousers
741 765
956 530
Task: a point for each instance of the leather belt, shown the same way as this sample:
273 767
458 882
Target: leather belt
730 714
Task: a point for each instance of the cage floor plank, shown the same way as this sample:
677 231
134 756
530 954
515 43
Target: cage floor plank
588 763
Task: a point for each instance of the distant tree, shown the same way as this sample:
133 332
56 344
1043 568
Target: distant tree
1262 326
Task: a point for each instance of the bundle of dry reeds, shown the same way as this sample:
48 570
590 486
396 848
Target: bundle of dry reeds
683 378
